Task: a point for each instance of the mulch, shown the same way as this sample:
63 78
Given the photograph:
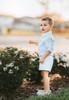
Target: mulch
29 89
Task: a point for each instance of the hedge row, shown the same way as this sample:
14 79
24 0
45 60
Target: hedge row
16 65
13 66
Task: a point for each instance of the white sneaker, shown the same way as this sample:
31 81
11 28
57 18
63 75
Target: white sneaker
49 92
40 92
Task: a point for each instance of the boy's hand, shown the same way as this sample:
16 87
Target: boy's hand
30 42
41 60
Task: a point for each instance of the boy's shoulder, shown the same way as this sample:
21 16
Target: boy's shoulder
49 37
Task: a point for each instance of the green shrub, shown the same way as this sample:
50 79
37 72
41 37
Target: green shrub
62 94
13 66
61 64
33 74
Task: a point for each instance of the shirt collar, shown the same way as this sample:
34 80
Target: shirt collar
47 33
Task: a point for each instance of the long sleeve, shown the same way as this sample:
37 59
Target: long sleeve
49 44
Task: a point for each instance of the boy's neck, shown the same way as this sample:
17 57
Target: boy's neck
48 31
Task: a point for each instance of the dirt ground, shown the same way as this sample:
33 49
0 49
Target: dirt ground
29 89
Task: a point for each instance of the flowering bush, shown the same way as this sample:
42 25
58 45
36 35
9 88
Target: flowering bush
33 74
61 64
16 65
13 66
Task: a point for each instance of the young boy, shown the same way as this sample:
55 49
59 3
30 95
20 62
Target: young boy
45 48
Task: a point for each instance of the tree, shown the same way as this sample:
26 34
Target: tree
63 4
44 4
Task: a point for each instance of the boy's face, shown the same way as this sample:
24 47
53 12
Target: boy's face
45 27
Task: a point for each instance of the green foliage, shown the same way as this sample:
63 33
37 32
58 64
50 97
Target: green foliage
16 65
62 94
33 74
13 66
60 64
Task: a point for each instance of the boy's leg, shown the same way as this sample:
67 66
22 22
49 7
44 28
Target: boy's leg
46 80
41 73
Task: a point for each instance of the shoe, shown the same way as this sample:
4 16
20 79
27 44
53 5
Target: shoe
43 91
40 92
49 92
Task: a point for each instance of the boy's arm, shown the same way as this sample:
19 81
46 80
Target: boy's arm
44 56
49 44
36 43
33 42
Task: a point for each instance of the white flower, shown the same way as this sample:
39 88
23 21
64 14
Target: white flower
0 62
58 60
16 67
64 65
68 59
67 64
16 52
30 62
34 54
5 68
60 64
56 54
2 55
10 49
29 78
29 74
21 56
61 55
28 55
26 72
5 50
10 71
24 52
33 59
10 65
64 59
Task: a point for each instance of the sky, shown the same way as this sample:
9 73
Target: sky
32 8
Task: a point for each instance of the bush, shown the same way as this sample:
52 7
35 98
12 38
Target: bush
33 74
13 66
62 94
61 64
16 65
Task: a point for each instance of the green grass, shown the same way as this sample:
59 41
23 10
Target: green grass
62 94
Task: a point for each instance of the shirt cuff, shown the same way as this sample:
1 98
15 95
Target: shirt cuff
50 49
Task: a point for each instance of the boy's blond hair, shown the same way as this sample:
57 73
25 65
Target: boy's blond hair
51 22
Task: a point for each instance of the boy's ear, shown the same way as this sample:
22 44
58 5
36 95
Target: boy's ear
51 26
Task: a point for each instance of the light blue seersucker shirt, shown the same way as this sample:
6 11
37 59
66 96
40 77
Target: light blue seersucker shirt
46 42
